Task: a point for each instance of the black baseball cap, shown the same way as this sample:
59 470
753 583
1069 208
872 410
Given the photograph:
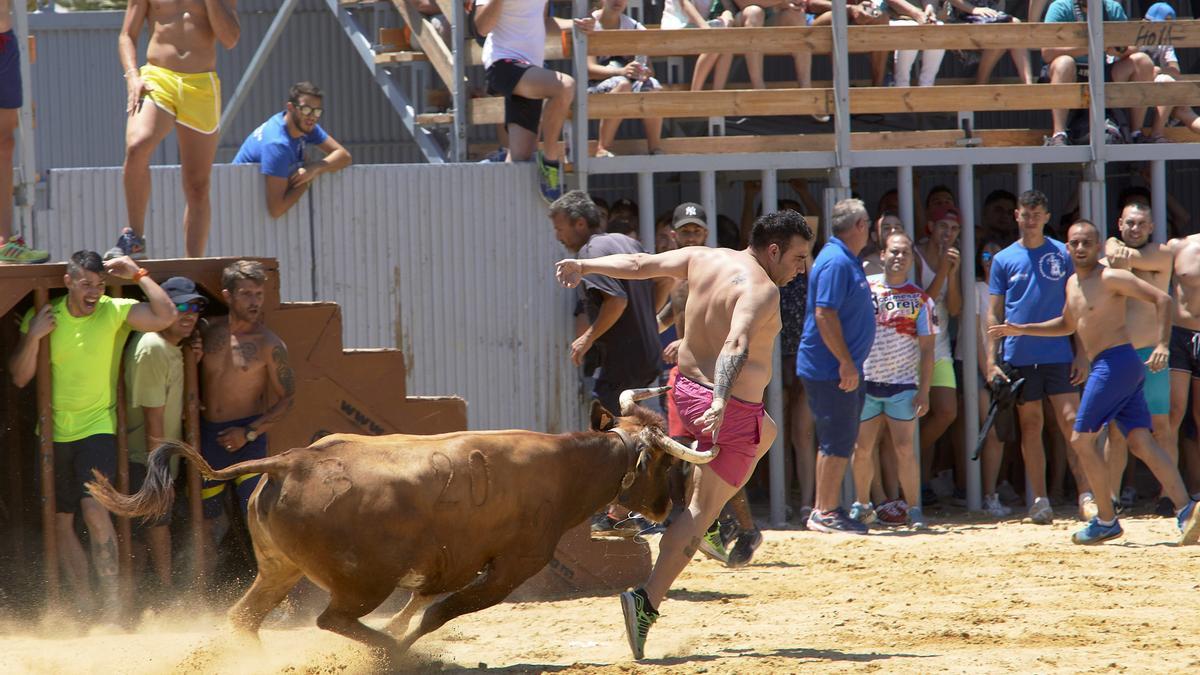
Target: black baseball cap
181 290
689 212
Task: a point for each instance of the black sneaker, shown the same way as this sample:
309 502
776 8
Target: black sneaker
128 244
604 525
639 617
743 551
836 521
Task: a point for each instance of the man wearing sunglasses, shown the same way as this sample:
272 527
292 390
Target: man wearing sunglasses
154 403
279 146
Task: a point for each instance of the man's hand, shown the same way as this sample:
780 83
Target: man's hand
921 402
849 376
232 439
710 421
632 71
586 25
951 259
569 272
1158 358
137 90
305 174
1080 369
122 267
671 352
995 371
580 347
1120 258
985 11
1005 329
43 323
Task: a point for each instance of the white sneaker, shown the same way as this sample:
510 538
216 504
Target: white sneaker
1041 513
993 507
1087 507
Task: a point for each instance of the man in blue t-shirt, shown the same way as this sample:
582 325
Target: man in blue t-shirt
279 146
1065 65
1029 285
839 329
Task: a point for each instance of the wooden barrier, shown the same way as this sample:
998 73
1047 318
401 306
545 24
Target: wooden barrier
41 297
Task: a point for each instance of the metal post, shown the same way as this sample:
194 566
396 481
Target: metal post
1091 197
274 32
708 200
41 296
904 193
1024 178
777 458
646 211
458 88
968 319
191 430
841 86
1158 199
26 187
579 139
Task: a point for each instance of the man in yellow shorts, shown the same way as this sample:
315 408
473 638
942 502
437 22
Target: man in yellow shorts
176 89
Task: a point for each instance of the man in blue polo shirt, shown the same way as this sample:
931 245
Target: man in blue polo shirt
1029 285
280 144
839 329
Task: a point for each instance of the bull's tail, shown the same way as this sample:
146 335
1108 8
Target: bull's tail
158 492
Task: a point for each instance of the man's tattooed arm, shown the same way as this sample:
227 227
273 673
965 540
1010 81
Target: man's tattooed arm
729 366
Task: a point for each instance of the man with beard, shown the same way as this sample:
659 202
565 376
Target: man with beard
1095 309
244 365
725 363
279 147
87 330
176 89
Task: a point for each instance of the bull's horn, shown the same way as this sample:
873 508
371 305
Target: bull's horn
676 449
631 396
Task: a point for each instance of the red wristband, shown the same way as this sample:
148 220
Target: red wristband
138 275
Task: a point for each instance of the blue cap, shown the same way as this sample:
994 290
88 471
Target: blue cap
1160 11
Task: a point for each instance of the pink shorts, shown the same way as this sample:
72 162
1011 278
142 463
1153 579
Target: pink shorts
739 434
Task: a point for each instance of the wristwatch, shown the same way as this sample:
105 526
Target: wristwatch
251 435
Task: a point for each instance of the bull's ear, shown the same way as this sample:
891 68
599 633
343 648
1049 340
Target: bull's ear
602 420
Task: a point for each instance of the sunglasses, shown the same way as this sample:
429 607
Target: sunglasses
985 256
196 306
309 111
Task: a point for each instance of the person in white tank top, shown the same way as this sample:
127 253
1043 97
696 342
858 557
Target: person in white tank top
937 271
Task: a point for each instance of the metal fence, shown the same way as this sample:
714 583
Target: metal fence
452 264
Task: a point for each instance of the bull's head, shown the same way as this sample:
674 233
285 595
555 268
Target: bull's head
647 493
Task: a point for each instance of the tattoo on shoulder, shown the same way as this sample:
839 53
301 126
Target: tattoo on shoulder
287 378
727 369
739 279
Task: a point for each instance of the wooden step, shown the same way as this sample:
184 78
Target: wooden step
400 57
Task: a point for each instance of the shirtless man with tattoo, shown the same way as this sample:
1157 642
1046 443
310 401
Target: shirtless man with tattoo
732 316
245 366
179 82
1095 311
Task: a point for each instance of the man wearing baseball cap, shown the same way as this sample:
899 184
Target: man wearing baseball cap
154 403
690 224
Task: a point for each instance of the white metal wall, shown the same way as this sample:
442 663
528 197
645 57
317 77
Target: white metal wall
452 264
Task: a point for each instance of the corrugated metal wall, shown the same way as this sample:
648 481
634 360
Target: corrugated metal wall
452 264
80 95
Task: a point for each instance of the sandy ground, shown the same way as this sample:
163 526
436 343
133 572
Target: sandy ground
976 596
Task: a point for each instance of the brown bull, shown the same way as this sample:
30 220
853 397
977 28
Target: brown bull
468 514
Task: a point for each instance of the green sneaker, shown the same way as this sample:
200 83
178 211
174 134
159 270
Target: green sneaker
549 178
639 617
15 252
713 546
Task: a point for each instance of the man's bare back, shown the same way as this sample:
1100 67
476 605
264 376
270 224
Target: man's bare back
181 34
716 279
236 370
1186 305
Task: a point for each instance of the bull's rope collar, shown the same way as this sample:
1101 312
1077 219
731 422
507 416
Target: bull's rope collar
631 447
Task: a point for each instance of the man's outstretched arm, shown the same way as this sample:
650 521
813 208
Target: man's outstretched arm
570 272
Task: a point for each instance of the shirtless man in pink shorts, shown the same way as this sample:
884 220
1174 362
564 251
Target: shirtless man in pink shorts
725 364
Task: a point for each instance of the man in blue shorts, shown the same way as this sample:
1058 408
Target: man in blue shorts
1094 310
839 329
279 146
1028 285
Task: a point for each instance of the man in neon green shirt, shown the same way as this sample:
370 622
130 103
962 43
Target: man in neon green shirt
154 404
86 329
